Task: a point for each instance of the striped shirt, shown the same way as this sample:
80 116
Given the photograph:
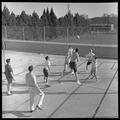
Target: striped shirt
90 56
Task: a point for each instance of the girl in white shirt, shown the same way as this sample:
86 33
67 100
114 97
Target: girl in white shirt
89 58
67 59
93 68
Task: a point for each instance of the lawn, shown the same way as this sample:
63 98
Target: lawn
101 38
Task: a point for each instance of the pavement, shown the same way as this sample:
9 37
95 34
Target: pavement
64 98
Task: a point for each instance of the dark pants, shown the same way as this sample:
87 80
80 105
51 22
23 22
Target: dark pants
45 71
73 66
89 62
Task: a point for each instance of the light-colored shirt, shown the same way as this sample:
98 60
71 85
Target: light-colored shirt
90 56
47 64
30 80
70 51
67 58
74 57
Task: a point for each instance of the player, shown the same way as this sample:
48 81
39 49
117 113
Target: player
33 89
9 76
93 68
68 58
67 61
73 64
89 58
70 50
46 69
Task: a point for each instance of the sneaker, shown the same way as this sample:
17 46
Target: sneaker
9 93
79 83
39 107
72 73
32 110
46 83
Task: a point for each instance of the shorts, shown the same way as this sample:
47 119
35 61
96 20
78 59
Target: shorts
35 91
93 71
89 62
45 71
73 66
9 80
66 62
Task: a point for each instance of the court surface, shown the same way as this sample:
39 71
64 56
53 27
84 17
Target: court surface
64 98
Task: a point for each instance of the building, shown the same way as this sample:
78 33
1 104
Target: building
101 27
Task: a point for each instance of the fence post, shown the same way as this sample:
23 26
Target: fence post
5 32
67 35
23 33
3 50
43 39
44 32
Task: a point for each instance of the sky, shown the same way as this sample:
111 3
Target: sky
60 9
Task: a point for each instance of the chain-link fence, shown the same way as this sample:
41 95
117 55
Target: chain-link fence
41 33
55 40
59 34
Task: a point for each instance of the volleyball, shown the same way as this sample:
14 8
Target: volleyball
78 36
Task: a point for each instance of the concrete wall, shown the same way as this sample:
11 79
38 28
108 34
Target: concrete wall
102 51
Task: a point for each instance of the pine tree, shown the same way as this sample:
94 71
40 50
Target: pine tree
23 18
5 16
48 17
54 23
53 18
76 20
35 19
12 19
44 18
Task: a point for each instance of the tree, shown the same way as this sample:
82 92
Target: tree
44 18
70 19
35 19
12 19
48 17
53 18
5 16
23 18
3 20
61 22
76 19
18 20
29 19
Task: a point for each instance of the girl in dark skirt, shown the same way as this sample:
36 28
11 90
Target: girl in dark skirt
46 69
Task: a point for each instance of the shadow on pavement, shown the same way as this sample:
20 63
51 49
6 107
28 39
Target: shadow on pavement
52 74
18 113
15 92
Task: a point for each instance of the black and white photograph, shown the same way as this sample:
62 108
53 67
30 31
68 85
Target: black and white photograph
59 59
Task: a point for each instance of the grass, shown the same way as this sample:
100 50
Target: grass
102 38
